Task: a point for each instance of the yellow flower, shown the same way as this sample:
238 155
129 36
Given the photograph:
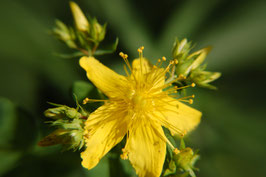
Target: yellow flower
139 105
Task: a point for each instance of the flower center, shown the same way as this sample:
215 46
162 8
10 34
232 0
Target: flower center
139 102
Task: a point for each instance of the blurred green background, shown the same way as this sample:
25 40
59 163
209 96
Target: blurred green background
231 136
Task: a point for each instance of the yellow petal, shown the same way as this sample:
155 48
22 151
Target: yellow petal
141 66
81 21
103 130
176 116
109 82
146 150
144 72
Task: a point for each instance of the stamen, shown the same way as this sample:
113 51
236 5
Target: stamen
163 58
125 56
184 99
140 50
192 85
86 100
169 66
164 86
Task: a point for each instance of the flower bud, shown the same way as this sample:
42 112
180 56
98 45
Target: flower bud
186 160
97 31
65 34
80 19
191 62
203 78
181 49
69 126
55 113
199 57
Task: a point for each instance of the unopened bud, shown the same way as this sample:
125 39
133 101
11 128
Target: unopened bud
80 19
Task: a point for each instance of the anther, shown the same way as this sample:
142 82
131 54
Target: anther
193 84
86 100
121 54
183 134
190 101
124 155
176 151
142 48
176 61
181 76
163 58
159 60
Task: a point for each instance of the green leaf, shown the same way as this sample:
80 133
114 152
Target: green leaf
17 125
107 49
8 160
19 130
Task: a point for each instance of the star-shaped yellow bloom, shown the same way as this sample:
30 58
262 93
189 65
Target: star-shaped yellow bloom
139 105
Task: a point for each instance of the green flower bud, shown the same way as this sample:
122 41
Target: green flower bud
55 113
65 34
203 78
186 160
62 112
181 49
199 57
69 126
72 113
187 64
184 157
97 31
69 133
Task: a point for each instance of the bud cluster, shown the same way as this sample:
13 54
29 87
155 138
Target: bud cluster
190 65
85 36
69 123
182 163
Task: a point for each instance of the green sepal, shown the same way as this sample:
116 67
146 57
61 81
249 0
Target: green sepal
171 170
182 144
107 49
71 55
